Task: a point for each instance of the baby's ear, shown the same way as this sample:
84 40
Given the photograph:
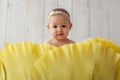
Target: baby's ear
48 26
70 25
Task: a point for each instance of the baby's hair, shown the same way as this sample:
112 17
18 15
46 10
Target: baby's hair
59 11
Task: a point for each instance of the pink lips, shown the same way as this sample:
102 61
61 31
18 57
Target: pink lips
60 34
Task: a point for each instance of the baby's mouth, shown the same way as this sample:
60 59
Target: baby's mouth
60 34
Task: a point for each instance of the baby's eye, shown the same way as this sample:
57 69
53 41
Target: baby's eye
54 26
63 26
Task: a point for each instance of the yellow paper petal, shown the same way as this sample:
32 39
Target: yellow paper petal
89 60
93 59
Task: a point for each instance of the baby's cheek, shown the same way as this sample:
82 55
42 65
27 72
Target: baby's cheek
67 33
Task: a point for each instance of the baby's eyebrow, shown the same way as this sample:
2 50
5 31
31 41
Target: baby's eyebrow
64 23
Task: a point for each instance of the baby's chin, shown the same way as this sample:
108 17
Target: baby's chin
61 38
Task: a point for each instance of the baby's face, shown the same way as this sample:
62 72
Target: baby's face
59 25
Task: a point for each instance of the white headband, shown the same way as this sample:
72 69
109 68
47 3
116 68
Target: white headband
57 12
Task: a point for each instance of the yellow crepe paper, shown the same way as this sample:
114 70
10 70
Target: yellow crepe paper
93 59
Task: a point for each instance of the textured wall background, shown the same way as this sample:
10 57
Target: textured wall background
26 20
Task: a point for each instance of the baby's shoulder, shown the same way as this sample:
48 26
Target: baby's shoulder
48 41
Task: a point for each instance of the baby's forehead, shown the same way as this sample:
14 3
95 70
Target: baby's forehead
58 21
59 18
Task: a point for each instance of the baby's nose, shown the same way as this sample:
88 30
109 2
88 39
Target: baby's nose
59 29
